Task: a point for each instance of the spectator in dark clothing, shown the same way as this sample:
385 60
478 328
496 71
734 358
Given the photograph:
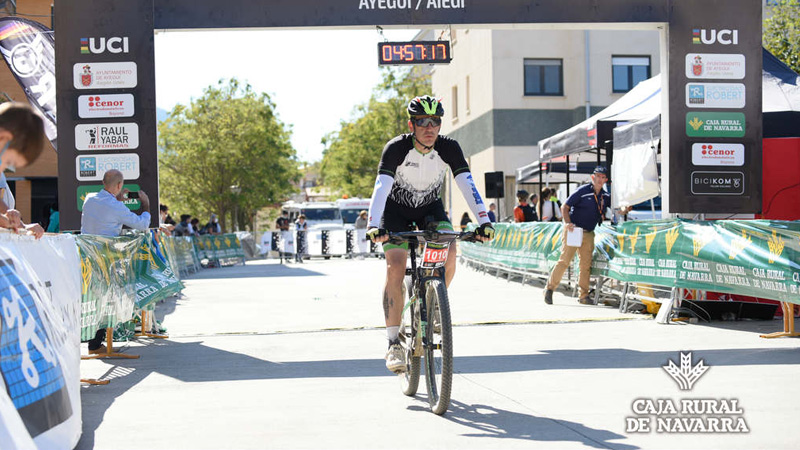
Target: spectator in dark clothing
283 221
524 212
182 228
491 213
465 220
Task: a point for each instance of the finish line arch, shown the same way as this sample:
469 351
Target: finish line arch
696 109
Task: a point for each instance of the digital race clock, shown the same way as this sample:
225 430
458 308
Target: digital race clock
415 52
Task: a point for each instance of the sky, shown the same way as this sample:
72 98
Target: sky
314 77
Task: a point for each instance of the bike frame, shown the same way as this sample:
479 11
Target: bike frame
420 275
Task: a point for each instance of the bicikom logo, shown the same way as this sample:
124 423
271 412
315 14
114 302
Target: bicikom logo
101 45
724 37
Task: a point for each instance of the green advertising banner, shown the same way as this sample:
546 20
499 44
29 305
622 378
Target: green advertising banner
757 258
220 246
121 274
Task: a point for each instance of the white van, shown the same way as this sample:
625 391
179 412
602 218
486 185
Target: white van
350 207
319 215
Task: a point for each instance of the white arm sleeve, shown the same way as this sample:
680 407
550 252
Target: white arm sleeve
472 196
383 186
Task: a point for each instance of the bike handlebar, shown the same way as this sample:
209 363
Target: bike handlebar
434 236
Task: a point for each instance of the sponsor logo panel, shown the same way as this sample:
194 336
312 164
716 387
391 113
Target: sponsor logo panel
115 75
132 203
715 66
92 168
717 154
105 105
715 124
717 183
109 136
715 95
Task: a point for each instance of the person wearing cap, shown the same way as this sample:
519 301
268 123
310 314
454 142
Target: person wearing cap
524 211
585 209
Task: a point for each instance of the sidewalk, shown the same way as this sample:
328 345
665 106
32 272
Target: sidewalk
250 365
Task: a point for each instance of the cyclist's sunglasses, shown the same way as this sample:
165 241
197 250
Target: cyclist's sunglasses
427 121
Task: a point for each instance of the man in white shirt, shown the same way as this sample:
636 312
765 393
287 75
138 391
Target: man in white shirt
104 213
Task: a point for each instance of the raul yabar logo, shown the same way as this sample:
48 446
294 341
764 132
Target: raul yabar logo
686 375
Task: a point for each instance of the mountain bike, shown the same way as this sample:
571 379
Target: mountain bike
425 330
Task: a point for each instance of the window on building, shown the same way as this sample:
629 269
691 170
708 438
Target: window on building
544 77
466 92
628 71
454 102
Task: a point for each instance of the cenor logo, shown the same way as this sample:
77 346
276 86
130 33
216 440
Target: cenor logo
102 45
724 37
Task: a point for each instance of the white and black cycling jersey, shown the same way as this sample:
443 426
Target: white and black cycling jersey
418 178
414 180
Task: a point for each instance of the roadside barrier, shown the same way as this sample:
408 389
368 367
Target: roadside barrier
219 249
756 258
346 243
56 292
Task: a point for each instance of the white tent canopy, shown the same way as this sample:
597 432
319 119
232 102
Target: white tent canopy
644 100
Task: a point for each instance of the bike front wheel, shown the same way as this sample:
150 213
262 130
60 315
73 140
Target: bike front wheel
439 347
409 337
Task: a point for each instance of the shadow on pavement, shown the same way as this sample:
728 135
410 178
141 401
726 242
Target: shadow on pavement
254 271
491 422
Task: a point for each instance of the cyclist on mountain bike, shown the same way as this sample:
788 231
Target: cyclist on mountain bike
407 190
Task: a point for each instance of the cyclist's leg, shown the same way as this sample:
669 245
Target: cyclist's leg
395 218
393 290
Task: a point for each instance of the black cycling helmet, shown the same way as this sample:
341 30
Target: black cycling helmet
425 106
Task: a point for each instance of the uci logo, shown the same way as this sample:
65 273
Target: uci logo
100 45
724 37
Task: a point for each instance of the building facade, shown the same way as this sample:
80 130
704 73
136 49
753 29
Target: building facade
506 89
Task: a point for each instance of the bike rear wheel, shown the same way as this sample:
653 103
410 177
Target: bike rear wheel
439 351
409 381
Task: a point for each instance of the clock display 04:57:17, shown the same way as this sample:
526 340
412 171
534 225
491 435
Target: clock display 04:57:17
420 52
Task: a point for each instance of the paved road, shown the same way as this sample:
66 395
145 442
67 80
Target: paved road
272 356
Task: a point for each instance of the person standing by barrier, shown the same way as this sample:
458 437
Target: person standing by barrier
361 233
549 206
212 227
465 220
491 212
302 238
104 214
524 212
583 210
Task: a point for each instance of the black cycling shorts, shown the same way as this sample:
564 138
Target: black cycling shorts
397 217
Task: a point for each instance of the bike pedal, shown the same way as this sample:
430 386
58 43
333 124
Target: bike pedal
436 346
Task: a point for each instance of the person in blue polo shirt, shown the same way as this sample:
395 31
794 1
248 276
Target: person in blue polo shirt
585 208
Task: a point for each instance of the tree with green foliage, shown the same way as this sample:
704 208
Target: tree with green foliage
781 32
351 156
226 153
